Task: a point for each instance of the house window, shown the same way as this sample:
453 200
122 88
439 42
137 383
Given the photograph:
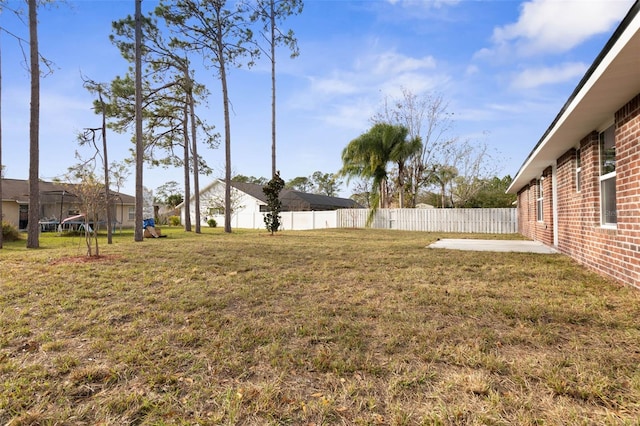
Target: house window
608 210
132 213
578 171
540 201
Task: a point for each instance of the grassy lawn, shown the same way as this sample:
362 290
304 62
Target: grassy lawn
353 327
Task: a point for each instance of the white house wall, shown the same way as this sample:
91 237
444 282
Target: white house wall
245 204
11 212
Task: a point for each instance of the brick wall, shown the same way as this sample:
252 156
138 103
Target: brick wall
525 207
528 223
544 229
612 252
569 203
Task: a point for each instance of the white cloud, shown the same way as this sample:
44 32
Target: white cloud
493 112
348 96
350 115
334 85
502 108
425 3
392 63
534 77
60 113
472 69
414 82
556 26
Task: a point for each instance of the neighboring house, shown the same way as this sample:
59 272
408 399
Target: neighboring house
57 203
248 198
424 206
579 189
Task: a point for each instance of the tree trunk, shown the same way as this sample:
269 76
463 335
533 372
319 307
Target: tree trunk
227 154
384 203
196 166
401 185
33 227
94 231
107 190
273 89
1 173
227 132
187 173
138 234
87 237
417 174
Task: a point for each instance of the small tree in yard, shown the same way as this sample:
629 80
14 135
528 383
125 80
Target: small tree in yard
214 202
90 193
272 192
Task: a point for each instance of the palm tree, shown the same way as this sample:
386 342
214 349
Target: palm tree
363 157
369 154
442 175
402 150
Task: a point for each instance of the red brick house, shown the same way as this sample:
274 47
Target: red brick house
579 188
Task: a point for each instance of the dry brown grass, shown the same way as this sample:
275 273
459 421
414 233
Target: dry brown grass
354 327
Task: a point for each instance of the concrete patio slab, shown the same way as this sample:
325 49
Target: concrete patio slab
493 245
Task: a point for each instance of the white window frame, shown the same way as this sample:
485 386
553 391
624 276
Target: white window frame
540 201
605 177
132 213
578 171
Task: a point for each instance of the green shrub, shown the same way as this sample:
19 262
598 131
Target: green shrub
174 220
10 232
212 223
274 205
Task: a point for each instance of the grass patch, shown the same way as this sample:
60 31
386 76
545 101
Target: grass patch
357 327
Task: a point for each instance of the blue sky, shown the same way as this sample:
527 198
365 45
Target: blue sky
505 68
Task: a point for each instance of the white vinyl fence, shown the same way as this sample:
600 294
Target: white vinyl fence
482 221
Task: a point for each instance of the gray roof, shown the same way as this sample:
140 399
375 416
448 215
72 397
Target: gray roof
18 190
292 199
324 202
